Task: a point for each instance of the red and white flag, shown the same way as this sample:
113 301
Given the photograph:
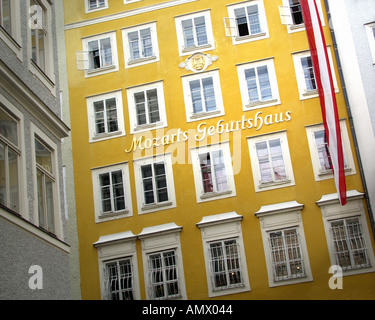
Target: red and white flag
324 82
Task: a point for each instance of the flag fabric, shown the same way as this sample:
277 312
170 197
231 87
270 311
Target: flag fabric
324 82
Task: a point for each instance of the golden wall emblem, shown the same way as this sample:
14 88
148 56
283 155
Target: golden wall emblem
198 62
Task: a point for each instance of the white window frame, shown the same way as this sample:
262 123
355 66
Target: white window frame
88 10
116 247
156 206
13 39
279 217
231 25
162 123
371 39
36 133
93 136
348 156
259 185
130 1
155 57
332 210
86 55
112 215
19 149
291 26
158 239
190 115
197 171
222 227
302 88
275 99
46 75
183 51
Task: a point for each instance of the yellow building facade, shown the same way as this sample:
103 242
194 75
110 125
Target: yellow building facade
201 168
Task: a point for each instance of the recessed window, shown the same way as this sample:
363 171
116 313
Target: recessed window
140 45
202 93
155 186
99 55
258 84
213 172
320 155
305 74
246 22
95 5
270 161
146 107
10 154
111 191
105 114
194 33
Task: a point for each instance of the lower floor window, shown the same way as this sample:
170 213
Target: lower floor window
163 275
225 264
349 244
286 254
119 280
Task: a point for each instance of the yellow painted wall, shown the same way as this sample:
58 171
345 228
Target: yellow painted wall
306 191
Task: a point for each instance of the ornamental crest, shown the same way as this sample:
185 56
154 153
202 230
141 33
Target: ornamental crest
198 62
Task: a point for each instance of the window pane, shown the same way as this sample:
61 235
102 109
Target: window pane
13 180
218 265
252 87
219 169
196 96
233 262
105 192
187 29
147 184
171 276
3 172
134 45
6 15
277 160
99 117
145 35
161 182
118 191
41 203
205 164
323 152
105 52
200 29
264 83
308 72
241 20
8 127
296 11
209 94
49 205
264 163
94 59
112 123
139 98
253 15
43 156
156 276
153 107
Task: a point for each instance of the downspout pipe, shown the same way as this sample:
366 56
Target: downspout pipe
351 122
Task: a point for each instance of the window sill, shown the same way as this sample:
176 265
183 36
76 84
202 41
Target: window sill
323 173
101 136
112 214
201 115
260 103
297 26
215 194
264 185
147 126
98 70
195 48
308 93
250 36
154 206
141 60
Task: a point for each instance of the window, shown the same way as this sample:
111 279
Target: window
213 173
305 74
10 24
270 161
320 156
284 243
194 33
202 95
6 16
246 22
155 187
95 5
291 12
224 254
39 37
100 54
163 275
347 233
45 185
162 262
105 114
258 84
370 30
146 107
140 45
10 154
118 269
111 186
225 264
286 254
